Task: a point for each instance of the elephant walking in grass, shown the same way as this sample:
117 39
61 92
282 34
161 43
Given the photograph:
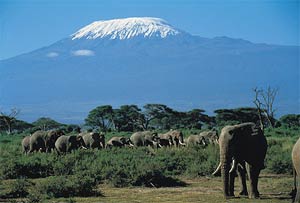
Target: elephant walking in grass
210 136
118 142
44 141
165 140
242 147
296 164
145 138
194 140
68 143
26 144
93 140
176 136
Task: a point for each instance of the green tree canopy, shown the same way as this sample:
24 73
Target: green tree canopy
128 118
45 123
238 115
290 120
101 117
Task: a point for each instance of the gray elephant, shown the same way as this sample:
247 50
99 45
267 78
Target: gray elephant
26 144
194 140
296 163
165 140
44 141
118 142
211 137
145 138
68 143
240 145
93 140
177 137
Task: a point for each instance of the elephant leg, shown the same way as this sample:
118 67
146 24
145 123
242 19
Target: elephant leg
231 183
253 173
297 197
242 178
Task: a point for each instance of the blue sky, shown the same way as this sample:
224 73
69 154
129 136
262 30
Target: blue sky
26 25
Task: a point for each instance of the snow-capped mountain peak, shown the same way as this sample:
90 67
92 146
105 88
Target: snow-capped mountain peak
127 28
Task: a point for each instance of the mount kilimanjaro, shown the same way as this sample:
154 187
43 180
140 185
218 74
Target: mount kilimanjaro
145 60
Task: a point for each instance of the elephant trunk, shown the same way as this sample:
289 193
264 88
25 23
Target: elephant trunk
225 177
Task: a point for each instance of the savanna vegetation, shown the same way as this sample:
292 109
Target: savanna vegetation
97 174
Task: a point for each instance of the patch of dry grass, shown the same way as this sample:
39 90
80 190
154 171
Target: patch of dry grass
273 188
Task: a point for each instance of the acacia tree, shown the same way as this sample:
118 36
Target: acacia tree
127 118
8 119
101 117
155 114
45 123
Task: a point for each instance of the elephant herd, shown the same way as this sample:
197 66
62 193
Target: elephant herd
56 140
243 150
47 141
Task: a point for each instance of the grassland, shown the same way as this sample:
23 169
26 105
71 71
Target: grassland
135 175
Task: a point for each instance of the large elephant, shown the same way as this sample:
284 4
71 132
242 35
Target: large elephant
296 163
118 142
239 145
144 138
93 140
68 143
44 140
177 137
26 144
193 140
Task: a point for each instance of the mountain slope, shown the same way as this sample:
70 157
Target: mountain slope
111 66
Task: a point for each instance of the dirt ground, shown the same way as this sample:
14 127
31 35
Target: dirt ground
273 188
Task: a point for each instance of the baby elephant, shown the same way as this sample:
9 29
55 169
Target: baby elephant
68 143
118 142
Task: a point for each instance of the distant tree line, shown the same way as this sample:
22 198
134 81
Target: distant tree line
150 116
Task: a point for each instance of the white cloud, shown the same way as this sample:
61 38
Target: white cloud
52 54
83 52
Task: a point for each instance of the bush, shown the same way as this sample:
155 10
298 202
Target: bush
278 159
68 186
155 178
18 188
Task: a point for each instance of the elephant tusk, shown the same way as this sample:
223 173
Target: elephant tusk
233 167
82 147
181 143
160 145
131 145
217 170
217 141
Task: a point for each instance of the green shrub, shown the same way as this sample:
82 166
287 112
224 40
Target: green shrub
17 189
278 158
68 186
155 178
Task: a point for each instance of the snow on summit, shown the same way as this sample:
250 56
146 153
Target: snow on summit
126 28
